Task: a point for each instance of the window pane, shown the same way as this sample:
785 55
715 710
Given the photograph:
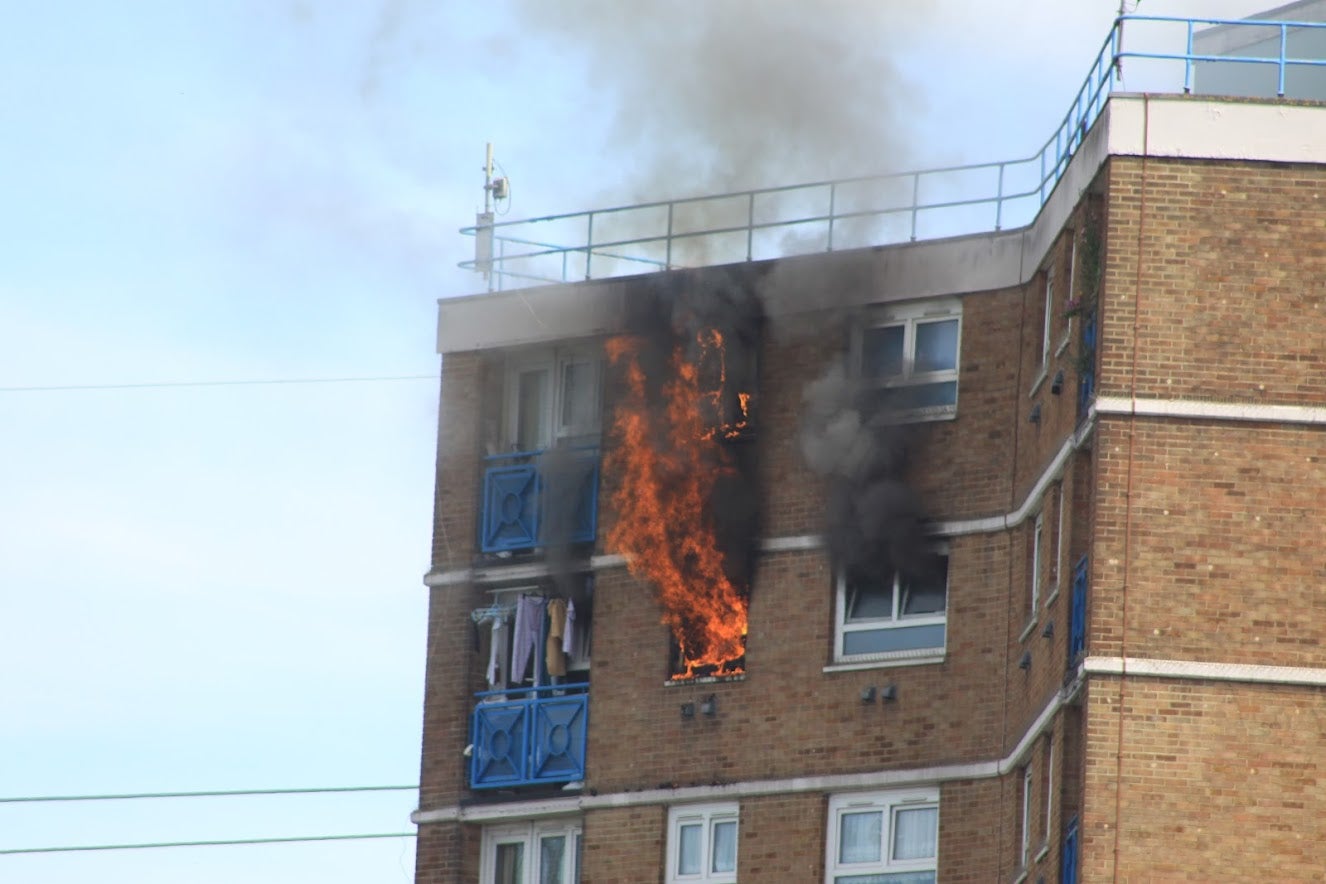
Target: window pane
688 850
870 599
903 878
936 346
510 864
896 638
881 352
531 409
725 847
552 854
915 833
860 836
579 404
914 396
926 594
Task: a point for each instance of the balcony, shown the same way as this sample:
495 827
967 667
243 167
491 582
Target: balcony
535 739
535 499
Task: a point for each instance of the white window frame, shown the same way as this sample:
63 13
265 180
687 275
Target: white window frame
1037 562
1049 783
708 816
1024 850
529 834
889 804
896 621
1048 331
1068 292
909 316
554 361
1059 546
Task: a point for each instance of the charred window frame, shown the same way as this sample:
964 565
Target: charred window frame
552 396
530 853
907 358
883 836
702 844
892 617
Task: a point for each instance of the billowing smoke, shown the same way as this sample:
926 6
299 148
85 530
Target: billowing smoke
875 523
720 95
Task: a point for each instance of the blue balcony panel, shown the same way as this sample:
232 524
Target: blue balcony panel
538 737
1077 635
532 499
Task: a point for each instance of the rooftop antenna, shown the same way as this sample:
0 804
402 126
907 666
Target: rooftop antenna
494 190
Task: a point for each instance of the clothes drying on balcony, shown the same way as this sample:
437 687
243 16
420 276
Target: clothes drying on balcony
555 657
498 616
530 610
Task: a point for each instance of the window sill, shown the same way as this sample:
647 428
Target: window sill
850 666
1040 379
1027 630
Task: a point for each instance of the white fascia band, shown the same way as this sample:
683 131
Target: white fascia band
1250 673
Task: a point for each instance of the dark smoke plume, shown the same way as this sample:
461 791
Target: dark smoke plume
875 522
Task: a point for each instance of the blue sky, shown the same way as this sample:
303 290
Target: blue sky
218 587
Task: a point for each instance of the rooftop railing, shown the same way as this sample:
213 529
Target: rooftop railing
907 206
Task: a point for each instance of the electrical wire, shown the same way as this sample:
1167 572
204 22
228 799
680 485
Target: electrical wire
160 384
82 848
129 796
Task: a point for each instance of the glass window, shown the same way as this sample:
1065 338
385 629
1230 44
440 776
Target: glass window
531 409
505 849
892 615
702 844
936 346
883 837
882 351
910 359
861 837
510 862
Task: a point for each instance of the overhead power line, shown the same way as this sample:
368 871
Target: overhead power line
129 796
266 381
89 847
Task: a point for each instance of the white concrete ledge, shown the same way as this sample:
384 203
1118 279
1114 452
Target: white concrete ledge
1251 673
1205 410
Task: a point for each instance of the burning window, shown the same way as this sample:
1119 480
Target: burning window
673 432
907 358
892 614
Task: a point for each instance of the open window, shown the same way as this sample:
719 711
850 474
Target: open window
892 615
907 357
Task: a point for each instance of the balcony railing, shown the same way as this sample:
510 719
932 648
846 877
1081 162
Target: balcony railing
534 499
537 738
1077 633
907 206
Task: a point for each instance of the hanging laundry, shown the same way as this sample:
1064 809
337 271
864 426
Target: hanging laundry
497 655
568 640
526 634
555 656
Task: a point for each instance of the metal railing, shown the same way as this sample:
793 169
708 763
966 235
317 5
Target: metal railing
851 212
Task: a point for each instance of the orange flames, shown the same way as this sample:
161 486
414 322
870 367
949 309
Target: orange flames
668 464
